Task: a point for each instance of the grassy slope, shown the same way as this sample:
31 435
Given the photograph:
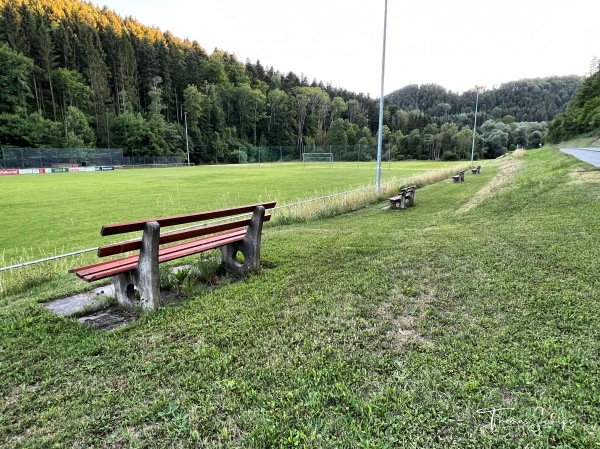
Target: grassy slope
52 214
374 329
581 142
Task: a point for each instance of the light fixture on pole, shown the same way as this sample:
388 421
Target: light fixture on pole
187 142
474 125
380 134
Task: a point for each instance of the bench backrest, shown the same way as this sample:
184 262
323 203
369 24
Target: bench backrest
133 245
132 226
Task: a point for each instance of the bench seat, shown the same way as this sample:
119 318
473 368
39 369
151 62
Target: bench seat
113 267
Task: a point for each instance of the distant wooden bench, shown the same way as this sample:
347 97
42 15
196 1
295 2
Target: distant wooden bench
140 271
460 177
476 170
405 198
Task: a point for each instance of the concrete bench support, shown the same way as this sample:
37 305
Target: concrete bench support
249 247
145 277
406 198
460 177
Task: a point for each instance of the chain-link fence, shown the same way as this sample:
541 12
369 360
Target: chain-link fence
22 158
347 153
152 160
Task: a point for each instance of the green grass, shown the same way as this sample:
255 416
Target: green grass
581 142
374 329
45 215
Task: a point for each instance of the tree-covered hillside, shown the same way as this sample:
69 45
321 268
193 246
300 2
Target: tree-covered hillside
582 116
76 75
73 75
529 100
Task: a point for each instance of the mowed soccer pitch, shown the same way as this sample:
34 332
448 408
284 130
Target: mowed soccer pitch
45 215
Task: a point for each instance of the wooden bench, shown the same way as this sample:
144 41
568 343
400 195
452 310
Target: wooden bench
140 271
460 177
405 198
476 170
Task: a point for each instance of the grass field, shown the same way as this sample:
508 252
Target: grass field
44 215
467 321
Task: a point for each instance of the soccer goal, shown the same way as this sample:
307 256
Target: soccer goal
317 157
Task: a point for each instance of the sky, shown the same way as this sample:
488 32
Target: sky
458 44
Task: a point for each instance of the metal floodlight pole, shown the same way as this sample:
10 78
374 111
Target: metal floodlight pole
187 141
380 137
474 126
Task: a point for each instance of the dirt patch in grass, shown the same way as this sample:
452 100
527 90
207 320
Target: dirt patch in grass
108 319
404 312
585 176
505 173
16 394
589 178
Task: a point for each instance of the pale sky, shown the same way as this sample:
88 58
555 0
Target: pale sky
457 44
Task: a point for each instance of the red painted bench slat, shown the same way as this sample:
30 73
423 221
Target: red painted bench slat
110 268
121 228
133 245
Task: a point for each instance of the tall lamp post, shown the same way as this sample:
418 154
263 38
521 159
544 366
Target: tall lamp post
474 125
187 142
380 136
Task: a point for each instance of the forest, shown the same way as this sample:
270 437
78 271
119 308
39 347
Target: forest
582 116
534 100
73 75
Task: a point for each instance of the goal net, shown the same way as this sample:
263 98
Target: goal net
317 157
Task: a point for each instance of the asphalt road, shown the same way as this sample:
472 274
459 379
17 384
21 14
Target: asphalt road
590 155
